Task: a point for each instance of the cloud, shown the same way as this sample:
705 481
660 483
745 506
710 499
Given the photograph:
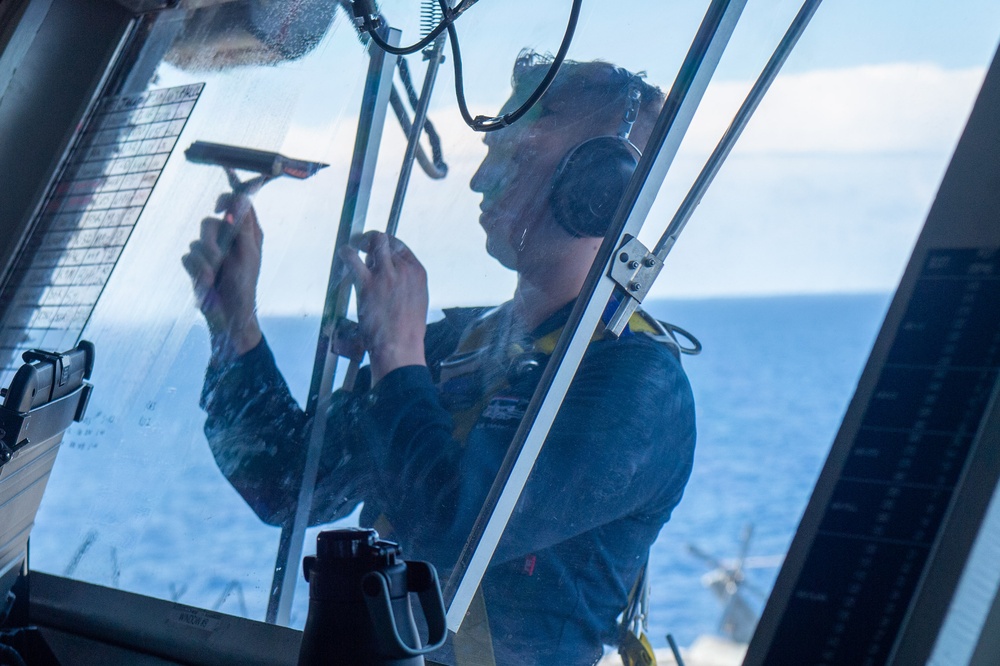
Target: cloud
901 107
781 224
825 191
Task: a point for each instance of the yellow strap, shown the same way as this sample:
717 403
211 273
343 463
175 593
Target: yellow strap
636 650
482 331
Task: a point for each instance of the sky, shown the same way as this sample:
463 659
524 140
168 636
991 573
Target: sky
825 192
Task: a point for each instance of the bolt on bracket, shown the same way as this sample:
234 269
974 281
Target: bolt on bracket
635 268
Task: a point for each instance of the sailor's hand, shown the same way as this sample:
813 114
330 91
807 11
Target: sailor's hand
392 301
224 265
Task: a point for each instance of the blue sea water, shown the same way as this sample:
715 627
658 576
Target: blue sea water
770 387
136 501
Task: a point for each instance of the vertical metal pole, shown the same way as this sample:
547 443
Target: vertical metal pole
371 121
419 118
628 305
735 129
685 95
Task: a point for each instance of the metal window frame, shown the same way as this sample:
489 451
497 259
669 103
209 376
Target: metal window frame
371 121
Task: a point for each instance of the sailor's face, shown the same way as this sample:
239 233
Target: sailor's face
515 179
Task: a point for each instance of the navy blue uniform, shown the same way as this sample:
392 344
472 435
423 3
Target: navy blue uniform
423 447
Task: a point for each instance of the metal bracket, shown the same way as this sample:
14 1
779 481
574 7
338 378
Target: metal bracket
634 269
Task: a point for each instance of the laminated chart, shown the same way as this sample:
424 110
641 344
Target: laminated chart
86 219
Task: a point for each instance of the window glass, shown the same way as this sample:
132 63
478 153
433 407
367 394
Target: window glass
783 275
137 501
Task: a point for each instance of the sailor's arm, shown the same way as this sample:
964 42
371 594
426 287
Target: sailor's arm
256 430
224 265
254 427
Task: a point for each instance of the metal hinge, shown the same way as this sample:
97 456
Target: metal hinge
634 269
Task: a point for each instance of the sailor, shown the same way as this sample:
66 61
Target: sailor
422 436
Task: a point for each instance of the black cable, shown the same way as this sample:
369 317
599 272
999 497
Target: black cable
411 90
487 123
365 12
436 168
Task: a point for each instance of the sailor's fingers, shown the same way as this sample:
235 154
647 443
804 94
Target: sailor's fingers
356 268
382 248
241 210
403 255
210 241
223 202
227 238
222 238
404 262
365 242
247 236
375 246
379 256
399 249
202 270
195 264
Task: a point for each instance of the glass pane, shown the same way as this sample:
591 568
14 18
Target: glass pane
783 275
160 517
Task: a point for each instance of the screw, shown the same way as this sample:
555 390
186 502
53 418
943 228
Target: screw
633 264
634 286
650 262
623 257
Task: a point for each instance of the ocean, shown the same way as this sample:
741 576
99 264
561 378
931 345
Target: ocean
136 501
771 387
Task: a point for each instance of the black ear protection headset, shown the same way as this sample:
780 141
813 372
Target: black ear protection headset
590 181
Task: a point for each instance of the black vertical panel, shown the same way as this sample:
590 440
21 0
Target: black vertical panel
888 504
52 85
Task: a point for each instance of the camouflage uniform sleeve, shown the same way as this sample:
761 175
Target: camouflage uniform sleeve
257 434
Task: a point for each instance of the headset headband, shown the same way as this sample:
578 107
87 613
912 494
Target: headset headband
633 99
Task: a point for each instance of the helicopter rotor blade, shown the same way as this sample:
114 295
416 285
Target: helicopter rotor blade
709 559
